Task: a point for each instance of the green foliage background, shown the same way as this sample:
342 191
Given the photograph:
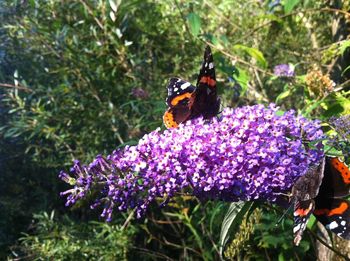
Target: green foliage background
69 71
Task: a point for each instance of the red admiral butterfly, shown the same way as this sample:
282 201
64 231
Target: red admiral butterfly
321 192
188 102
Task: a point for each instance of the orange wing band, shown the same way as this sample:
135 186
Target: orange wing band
303 212
207 80
342 169
179 98
330 212
168 119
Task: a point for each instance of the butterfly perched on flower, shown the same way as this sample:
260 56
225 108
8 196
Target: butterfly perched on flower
186 101
322 191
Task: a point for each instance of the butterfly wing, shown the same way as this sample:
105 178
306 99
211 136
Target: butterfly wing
178 91
178 100
174 116
327 184
331 210
302 213
336 181
334 214
306 188
205 101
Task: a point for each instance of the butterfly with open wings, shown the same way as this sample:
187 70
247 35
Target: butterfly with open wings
322 191
186 101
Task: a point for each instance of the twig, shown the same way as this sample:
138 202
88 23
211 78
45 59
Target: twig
155 254
342 86
312 10
258 80
179 246
127 221
91 12
162 222
328 246
22 88
332 44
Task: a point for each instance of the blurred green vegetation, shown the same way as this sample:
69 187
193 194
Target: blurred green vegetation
80 78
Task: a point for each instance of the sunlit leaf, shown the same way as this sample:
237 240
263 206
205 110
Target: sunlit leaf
343 46
112 16
289 5
338 104
232 219
345 70
114 5
15 76
283 95
253 52
311 222
281 257
194 22
243 78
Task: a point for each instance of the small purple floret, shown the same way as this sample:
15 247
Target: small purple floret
249 153
284 70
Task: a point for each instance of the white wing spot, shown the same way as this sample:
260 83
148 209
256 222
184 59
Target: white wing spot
211 65
185 85
296 228
343 223
332 225
176 89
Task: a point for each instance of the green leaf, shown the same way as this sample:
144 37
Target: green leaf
271 17
252 207
232 219
215 40
114 5
253 52
344 45
289 5
281 257
112 16
338 103
308 109
345 70
283 95
242 77
311 222
195 23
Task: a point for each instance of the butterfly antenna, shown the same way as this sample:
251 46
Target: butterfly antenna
284 214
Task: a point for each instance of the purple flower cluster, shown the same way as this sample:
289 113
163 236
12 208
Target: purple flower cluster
341 125
340 140
284 70
248 153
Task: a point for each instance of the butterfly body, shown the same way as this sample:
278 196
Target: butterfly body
321 192
186 101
